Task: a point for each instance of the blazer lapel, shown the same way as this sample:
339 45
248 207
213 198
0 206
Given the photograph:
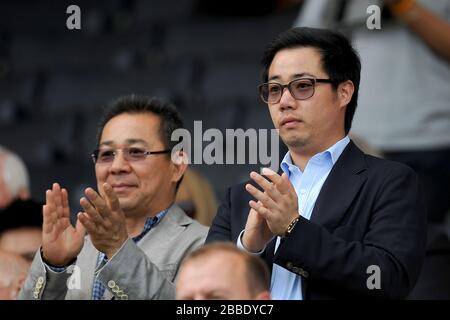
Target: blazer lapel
155 242
340 188
336 195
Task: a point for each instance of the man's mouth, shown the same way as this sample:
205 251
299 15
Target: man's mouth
121 187
290 122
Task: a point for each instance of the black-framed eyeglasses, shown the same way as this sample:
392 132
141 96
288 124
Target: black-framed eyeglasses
103 156
300 89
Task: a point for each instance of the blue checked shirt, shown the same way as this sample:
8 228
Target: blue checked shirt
99 289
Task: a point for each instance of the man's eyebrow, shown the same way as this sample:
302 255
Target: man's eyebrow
294 76
221 292
127 141
133 141
106 143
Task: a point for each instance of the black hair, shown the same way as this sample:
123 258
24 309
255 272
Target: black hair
339 59
170 118
167 112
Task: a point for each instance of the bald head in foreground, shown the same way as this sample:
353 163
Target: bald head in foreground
222 271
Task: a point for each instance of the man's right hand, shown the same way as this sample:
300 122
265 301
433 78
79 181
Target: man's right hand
257 233
61 242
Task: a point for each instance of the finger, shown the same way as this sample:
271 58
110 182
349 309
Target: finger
48 218
97 201
61 225
79 227
93 214
65 203
272 175
263 197
57 198
286 185
51 206
111 197
49 202
259 207
87 223
268 186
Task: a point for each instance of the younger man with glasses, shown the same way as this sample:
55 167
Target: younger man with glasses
137 236
335 222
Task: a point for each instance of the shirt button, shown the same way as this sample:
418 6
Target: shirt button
111 284
115 289
124 297
302 191
289 265
35 295
40 280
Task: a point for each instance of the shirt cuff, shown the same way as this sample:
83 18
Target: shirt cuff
54 269
241 246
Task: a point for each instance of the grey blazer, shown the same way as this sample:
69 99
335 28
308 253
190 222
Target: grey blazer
146 270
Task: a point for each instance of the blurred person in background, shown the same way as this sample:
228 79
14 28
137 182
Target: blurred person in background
196 197
14 180
404 99
20 216
21 228
13 271
404 103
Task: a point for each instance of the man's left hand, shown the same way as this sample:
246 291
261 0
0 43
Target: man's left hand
104 220
278 203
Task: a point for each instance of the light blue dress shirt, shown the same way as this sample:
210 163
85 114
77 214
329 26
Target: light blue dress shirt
286 285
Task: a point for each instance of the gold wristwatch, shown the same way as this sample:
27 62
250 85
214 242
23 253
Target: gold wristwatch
291 226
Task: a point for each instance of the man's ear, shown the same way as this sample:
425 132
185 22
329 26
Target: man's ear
345 93
179 164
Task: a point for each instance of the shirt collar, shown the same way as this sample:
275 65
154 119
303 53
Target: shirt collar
149 223
333 153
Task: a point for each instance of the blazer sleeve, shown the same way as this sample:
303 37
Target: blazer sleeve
42 283
130 274
394 241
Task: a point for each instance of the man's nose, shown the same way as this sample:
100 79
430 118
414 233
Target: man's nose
119 163
287 101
